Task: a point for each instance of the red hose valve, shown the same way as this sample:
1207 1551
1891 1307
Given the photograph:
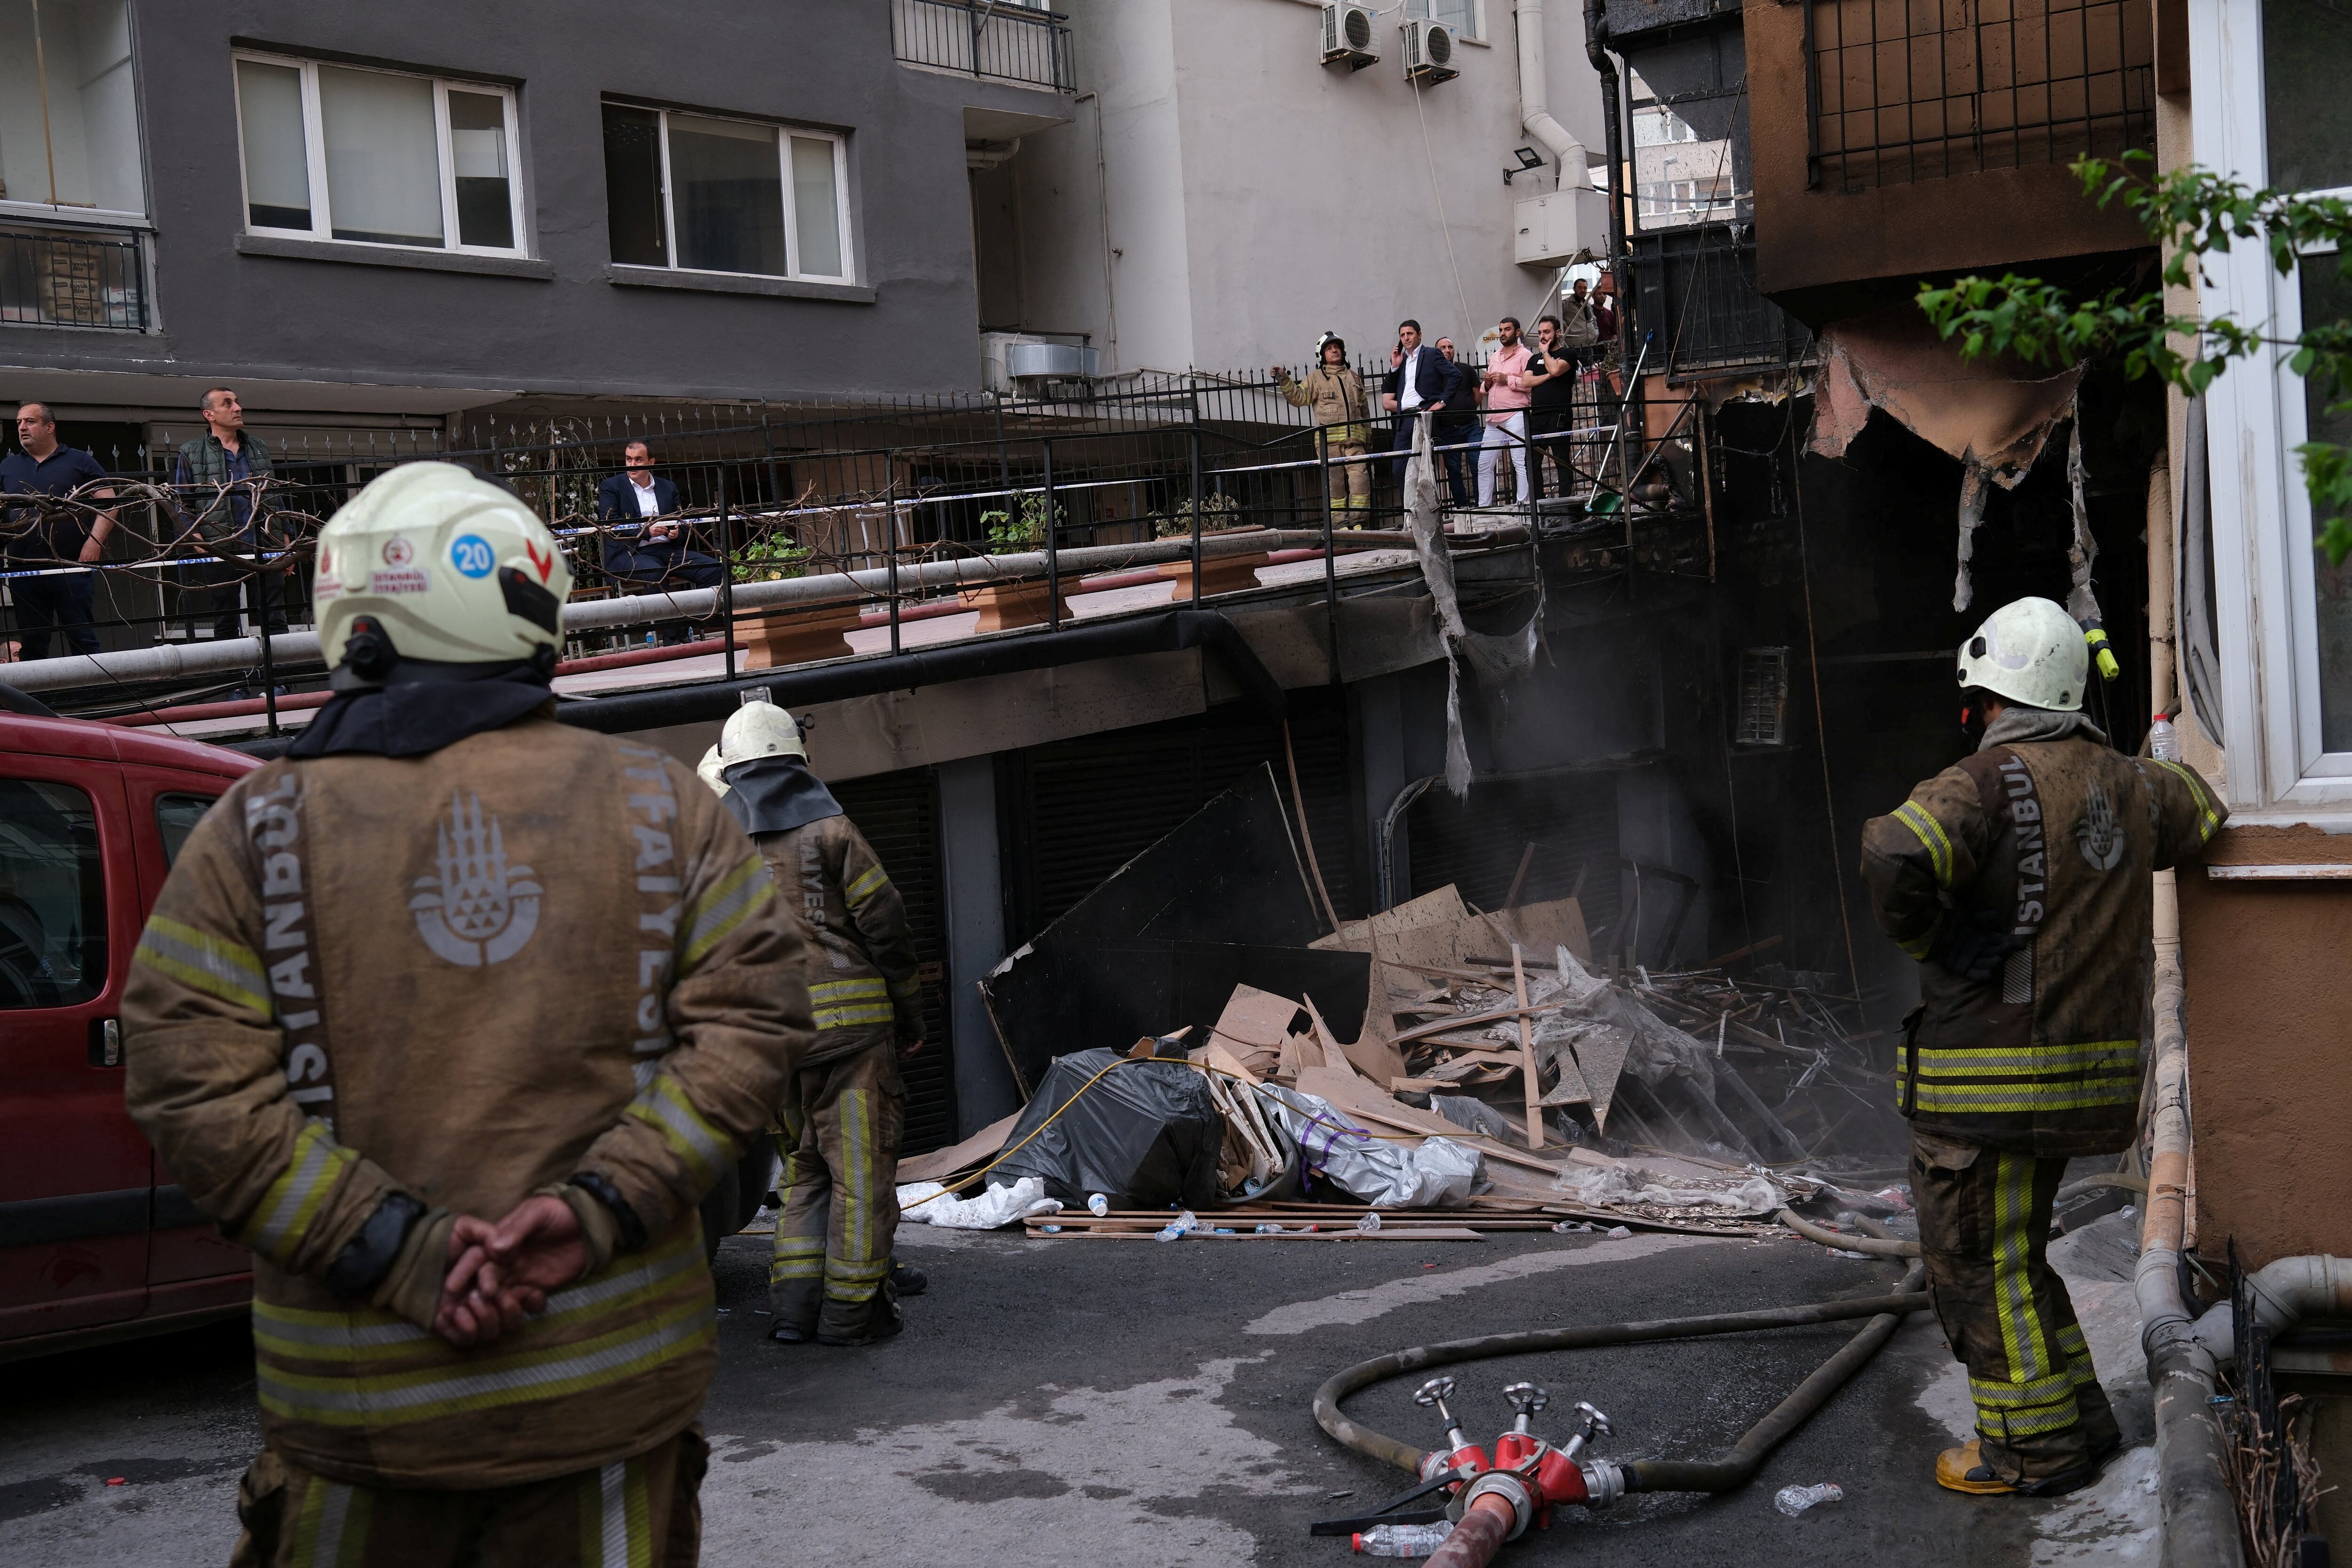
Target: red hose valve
1460 1454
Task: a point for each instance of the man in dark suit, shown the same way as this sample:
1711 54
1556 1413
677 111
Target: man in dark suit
1420 381
642 554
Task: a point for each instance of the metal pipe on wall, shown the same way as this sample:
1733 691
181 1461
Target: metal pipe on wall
1535 112
1596 49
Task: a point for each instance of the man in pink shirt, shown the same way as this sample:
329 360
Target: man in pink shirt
1506 411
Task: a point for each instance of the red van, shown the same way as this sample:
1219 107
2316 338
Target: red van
97 1241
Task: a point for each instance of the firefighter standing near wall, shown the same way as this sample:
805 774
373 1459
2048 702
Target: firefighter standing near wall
452 1016
2020 880
833 1278
1336 394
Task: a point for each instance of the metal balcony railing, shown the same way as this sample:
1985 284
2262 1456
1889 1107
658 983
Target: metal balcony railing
50 279
993 40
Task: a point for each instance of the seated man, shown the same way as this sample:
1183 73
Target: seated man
641 555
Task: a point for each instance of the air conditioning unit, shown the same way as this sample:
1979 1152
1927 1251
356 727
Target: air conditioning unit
1428 52
1561 227
1348 36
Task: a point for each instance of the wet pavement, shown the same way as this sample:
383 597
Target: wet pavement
1088 1402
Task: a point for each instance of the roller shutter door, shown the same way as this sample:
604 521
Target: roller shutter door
900 815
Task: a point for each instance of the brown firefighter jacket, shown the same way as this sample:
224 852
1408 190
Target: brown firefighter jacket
465 977
1337 398
859 957
2057 839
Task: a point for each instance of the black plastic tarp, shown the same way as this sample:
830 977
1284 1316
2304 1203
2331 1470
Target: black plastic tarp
1147 1136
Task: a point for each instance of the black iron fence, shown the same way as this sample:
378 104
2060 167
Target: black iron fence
1697 291
892 490
50 278
996 40
1922 90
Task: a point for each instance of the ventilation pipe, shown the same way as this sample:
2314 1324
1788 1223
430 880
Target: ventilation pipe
1565 148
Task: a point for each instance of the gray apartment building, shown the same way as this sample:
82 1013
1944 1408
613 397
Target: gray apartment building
375 218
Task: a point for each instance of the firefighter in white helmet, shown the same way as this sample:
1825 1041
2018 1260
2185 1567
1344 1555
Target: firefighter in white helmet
451 1015
832 1278
2019 878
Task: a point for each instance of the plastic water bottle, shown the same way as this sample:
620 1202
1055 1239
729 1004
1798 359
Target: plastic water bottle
1403 1540
1098 1205
1794 1500
1181 1226
1370 1223
1268 1230
2163 740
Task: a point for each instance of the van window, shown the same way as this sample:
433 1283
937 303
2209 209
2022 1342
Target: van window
176 817
52 897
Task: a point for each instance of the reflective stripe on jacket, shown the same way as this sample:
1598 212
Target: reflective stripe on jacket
859 957
2058 839
465 977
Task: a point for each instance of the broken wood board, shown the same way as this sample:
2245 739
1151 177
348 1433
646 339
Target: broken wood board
941 1164
1358 1098
1444 907
1475 1020
1540 927
1369 1053
1254 1020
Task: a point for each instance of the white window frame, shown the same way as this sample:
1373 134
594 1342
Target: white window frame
1475 34
16 207
2264 568
314 152
783 131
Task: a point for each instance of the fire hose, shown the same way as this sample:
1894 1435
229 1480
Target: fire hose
1498 1497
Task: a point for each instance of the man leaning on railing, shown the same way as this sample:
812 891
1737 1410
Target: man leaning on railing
65 602
219 479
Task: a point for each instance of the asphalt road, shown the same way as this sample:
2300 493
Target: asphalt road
1075 1402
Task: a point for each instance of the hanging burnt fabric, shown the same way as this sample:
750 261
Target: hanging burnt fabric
1994 416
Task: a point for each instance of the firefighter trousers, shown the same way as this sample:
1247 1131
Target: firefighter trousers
1984 1234
1350 475
842 1119
644 1512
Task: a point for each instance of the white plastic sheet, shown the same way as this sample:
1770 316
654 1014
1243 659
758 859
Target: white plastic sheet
987 1209
1441 1173
1604 1185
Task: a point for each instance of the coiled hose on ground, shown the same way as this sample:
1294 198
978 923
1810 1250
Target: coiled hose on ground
1733 1468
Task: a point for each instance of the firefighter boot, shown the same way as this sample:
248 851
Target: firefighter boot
860 1322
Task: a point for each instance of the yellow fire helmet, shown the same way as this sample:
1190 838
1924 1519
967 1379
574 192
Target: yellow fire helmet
432 562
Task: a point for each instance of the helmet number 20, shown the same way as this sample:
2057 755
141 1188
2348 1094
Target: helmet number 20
471 555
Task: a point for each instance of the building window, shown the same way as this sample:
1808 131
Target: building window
2273 108
69 111
376 157
1460 17
704 194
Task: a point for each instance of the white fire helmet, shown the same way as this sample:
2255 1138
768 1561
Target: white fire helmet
759 729
447 565
2030 652
708 769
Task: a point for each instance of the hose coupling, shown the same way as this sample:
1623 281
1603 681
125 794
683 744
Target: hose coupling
1506 1486
1604 1484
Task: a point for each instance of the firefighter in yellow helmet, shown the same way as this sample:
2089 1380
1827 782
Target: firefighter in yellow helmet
451 1015
832 1278
2020 878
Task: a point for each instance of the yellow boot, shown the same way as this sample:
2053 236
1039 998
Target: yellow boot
1964 1469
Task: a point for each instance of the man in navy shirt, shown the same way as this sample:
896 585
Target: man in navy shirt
64 601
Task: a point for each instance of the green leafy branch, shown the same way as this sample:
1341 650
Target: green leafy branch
1008 533
2192 213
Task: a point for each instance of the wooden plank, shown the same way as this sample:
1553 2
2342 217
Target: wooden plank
1528 1053
1477 1020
